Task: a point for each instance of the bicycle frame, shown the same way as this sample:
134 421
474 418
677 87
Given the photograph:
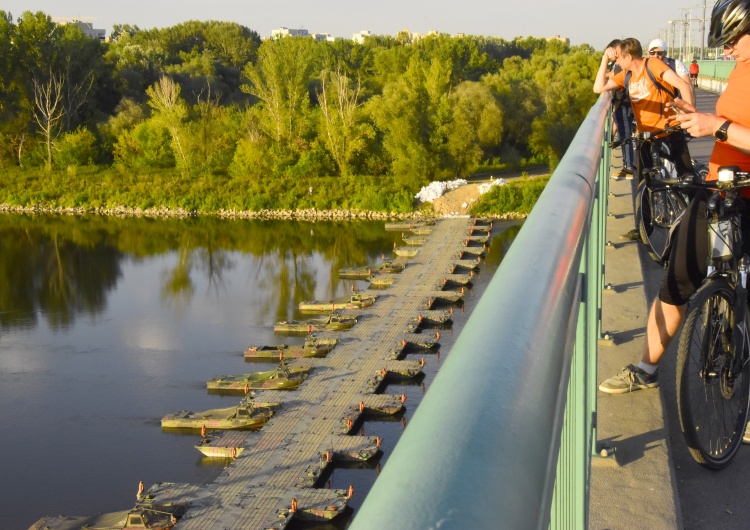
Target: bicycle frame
726 259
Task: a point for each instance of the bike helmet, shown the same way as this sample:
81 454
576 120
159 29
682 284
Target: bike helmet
730 19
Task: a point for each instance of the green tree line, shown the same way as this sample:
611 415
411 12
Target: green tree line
214 117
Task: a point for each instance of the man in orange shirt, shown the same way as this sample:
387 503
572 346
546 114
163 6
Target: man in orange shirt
730 25
651 85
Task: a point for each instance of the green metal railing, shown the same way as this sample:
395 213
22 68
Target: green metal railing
716 69
505 435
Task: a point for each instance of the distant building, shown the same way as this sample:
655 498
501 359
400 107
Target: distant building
566 40
360 37
323 36
86 27
287 32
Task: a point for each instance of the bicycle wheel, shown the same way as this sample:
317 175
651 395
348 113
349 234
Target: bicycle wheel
657 209
712 388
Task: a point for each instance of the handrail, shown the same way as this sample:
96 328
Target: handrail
482 449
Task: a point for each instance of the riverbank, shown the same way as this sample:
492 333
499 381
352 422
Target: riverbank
311 214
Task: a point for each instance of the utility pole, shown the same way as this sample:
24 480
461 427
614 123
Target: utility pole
670 43
703 31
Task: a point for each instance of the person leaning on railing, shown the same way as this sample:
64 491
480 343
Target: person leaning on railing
730 25
622 114
651 85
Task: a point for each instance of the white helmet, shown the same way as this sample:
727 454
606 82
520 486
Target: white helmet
658 43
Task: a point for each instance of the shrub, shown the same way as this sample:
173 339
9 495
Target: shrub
76 149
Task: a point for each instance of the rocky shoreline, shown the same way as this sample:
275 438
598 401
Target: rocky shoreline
303 215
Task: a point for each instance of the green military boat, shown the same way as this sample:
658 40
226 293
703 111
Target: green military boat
355 301
282 378
243 416
332 322
311 348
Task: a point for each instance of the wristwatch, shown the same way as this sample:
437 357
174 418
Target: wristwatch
721 134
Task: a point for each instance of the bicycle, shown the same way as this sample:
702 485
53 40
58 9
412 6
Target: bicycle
713 362
661 197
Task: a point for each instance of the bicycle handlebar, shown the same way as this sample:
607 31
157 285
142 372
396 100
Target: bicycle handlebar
730 177
647 136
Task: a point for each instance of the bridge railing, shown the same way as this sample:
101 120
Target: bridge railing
716 69
504 436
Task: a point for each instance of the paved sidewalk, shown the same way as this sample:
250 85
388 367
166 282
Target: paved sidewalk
634 488
651 481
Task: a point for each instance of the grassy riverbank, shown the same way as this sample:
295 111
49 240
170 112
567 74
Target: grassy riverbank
113 191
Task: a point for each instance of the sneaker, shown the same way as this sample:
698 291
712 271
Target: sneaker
630 379
746 436
620 174
633 235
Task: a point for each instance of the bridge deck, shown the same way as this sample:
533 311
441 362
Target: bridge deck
283 461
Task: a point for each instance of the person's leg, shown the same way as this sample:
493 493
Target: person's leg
663 324
685 271
628 152
621 134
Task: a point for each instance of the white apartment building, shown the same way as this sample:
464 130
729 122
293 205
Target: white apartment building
288 32
86 27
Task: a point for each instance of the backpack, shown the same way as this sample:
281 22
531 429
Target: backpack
659 87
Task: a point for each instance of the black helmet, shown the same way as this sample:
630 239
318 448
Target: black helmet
730 19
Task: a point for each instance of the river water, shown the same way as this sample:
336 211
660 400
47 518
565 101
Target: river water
107 324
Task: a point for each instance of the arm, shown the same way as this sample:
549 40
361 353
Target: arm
689 82
602 83
698 124
685 87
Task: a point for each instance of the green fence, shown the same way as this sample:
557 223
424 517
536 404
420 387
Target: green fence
716 69
505 435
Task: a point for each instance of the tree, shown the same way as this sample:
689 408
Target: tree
48 110
567 95
170 110
476 126
345 133
280 79
80 65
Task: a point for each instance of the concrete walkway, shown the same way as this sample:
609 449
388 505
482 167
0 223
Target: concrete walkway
651 481
635 487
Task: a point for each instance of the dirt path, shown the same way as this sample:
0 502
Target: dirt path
460 200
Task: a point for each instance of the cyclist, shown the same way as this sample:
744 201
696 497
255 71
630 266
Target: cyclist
648 95
730 25
658 48
651 85
694 69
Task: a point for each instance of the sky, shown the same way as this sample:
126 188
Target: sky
582 21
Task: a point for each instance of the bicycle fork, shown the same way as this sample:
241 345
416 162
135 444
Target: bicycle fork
739 333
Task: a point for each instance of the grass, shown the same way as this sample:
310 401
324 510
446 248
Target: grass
111 187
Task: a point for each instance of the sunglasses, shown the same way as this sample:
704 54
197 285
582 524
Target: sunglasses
656 52
733 43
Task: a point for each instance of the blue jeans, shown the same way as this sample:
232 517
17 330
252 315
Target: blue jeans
624 120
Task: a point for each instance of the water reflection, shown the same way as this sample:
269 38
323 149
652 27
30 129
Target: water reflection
61 267
108 324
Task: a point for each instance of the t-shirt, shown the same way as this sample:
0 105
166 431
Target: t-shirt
693 68
732 105
680 68
648 101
